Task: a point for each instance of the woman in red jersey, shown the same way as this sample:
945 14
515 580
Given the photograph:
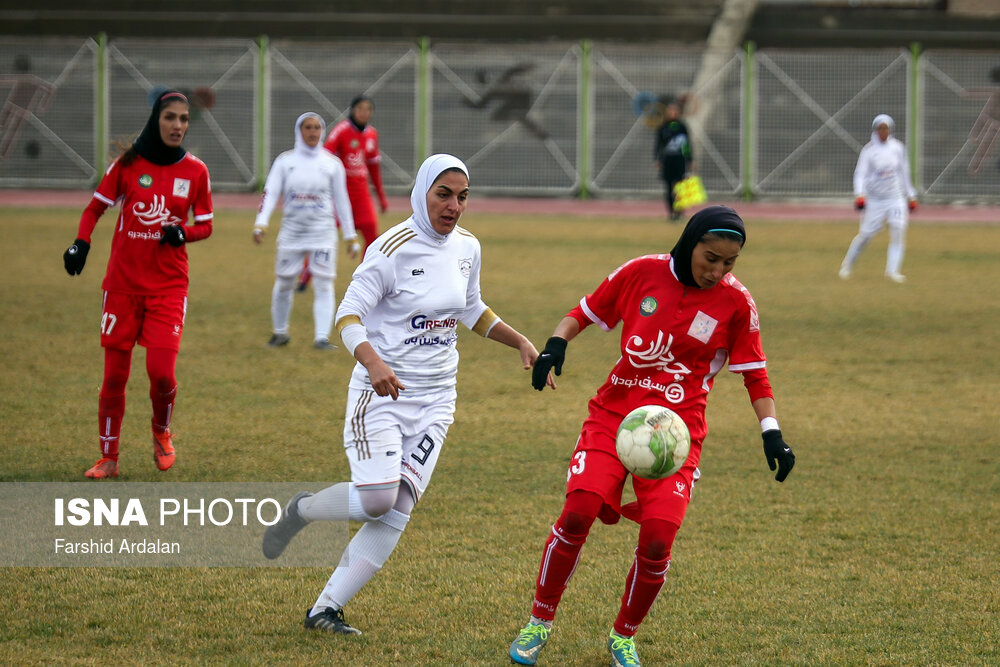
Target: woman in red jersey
683 317
159 186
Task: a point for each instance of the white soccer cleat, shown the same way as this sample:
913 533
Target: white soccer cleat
896 277
844 273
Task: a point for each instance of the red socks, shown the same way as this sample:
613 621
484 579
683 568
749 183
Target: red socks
562 551
160 364
646 577
111 404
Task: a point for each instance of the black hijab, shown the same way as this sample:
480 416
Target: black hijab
708 219
355 102
150 144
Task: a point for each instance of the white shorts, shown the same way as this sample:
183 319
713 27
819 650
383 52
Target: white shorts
389 441
878 211
322 262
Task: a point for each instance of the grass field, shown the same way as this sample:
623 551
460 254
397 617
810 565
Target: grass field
882 547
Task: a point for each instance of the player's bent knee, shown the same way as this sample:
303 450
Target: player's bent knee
376 502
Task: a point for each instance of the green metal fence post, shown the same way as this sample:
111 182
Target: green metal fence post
263 116
584 130
912 111
423 138
101 107
746 131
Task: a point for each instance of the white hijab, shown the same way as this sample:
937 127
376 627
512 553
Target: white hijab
426 175
301 147
882 118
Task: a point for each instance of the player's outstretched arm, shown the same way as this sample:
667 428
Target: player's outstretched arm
552 357
508 335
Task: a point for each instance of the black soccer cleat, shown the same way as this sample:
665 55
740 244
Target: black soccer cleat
330 620
277 340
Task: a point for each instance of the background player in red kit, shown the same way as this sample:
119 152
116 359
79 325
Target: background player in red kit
683 316
355 142
157 184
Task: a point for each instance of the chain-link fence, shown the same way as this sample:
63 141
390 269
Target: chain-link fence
558 119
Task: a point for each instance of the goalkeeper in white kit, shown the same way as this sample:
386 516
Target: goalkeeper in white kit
884 194
399 318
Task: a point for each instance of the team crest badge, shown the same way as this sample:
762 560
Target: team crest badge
145 180
648 306
182 187
355 143
465 266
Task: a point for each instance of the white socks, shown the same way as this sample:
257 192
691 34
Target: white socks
281 303
365 555
323 306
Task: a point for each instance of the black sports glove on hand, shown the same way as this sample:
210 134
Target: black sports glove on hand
775 449
76 256
551 357
174 235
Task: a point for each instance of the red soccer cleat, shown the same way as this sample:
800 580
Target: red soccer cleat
103 469
163 450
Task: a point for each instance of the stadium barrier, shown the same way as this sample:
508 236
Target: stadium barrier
544 119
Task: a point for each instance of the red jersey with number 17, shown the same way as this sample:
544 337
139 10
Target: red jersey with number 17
151 196
674 341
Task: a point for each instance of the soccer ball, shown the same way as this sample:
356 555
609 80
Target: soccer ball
653 442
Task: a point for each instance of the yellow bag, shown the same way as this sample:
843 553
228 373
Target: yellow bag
689 192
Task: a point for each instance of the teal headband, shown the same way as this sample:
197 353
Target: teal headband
731 231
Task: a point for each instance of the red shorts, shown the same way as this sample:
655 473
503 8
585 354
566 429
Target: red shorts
595 467
150 321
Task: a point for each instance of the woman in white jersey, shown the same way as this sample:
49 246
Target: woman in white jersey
883 192
312 185
399 318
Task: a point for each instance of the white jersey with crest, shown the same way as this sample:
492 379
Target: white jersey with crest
410 292
312 188
883 171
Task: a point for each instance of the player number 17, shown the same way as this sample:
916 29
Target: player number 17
108 321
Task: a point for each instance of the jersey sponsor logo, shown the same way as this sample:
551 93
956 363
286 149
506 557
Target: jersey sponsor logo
182 187
655 355
702 327
421 322
417 272
465 267
155 212
145 180
648 306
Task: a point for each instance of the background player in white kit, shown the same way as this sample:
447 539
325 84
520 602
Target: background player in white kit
399 318
312 185
883 192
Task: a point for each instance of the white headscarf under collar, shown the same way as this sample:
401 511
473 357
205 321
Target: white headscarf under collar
300 144
426 175
882 118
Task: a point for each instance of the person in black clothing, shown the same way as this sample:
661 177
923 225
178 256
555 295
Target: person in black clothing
673 152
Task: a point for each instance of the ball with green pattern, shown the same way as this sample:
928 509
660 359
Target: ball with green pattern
653 442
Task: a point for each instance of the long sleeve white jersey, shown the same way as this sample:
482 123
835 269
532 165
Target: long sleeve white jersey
312 187
410 293
883 171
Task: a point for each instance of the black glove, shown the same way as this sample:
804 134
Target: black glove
551 357
76 256
174 235
775 449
